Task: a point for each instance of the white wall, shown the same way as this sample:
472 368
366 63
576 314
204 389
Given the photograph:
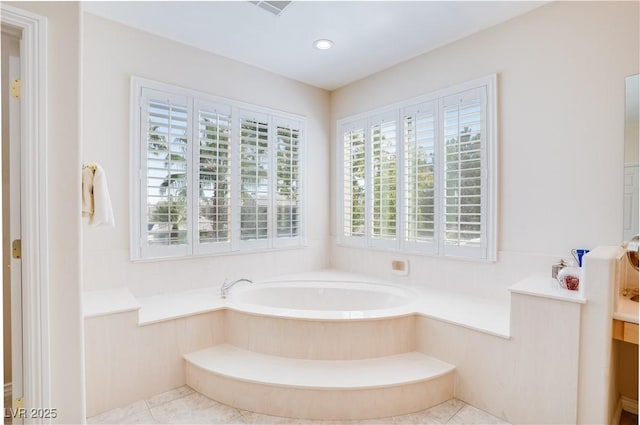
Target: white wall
632 136
561 71
112 54
632 126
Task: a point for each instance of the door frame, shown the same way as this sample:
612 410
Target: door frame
35 264
14 232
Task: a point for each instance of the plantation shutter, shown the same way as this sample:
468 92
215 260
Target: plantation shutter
287 181
464 127
213 197
353 172
419 177
383 141
164 174
211 175
254 179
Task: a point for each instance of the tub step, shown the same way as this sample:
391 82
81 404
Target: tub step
320 389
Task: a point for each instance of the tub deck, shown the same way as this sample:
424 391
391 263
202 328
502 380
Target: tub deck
483 315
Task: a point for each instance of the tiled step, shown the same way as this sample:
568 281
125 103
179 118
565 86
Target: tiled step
320 389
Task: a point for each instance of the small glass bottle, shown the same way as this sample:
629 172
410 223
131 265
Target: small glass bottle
555 269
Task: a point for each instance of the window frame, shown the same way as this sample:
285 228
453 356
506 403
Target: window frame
487 252
140 250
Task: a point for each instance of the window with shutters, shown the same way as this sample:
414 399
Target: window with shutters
212 175
420 176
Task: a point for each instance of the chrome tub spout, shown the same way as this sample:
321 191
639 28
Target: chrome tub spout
226 286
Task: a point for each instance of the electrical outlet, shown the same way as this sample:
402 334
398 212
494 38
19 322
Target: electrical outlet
400 267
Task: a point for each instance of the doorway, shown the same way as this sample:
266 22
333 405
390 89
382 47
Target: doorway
35 346
12 275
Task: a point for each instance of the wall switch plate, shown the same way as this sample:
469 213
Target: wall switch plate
400 267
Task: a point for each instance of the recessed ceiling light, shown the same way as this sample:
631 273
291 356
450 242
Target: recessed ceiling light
323 44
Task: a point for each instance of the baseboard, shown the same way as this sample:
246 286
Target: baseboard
617 413
629 405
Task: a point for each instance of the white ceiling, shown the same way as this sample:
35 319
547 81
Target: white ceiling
369 36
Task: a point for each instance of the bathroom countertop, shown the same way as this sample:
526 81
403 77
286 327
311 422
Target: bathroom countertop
175 305
487 316
542 285
108 301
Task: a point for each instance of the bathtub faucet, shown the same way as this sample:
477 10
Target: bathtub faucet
226 286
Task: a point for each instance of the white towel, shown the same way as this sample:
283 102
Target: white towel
96 204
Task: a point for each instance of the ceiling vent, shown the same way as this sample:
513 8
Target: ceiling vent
274 7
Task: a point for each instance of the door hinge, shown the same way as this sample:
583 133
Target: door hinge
15 88
18 403
16 249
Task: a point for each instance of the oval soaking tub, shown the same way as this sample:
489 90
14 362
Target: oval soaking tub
323 299
335 349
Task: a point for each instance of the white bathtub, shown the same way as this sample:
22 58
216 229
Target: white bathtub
323 299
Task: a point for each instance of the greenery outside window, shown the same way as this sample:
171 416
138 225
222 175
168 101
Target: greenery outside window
212 175
419 176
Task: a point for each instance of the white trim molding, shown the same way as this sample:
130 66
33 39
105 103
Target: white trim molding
35 275
624 404
629 405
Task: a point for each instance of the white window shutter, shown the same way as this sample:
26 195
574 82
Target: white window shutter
165 150
383 143
419 178
287 180
353 181
212 199
211 175
464 145
254 173
429 179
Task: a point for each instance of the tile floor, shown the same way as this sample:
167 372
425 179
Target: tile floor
185 406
